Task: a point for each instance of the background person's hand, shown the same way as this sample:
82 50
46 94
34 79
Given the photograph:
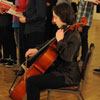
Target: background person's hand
22 19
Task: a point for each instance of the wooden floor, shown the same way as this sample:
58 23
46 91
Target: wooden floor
90 87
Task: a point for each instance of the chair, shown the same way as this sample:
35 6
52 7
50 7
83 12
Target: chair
75 89
72 89
87 59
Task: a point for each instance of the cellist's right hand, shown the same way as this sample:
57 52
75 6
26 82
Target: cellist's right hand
31 52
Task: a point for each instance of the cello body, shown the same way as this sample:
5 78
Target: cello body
42 63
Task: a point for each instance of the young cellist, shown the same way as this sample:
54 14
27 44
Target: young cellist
65 71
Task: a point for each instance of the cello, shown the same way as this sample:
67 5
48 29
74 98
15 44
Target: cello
39 63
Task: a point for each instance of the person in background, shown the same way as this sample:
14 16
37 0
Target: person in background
50 27
85 9
34 20
65 70
19 30
7 39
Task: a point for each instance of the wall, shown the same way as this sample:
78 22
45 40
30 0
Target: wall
96 15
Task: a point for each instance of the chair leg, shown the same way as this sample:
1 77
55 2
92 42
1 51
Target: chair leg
48 95
80 96
78 93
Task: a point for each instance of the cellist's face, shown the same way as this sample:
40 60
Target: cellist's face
57 20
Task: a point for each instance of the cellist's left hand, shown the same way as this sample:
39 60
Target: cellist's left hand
60 34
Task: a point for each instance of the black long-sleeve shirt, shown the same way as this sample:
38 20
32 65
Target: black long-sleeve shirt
35 14
65 64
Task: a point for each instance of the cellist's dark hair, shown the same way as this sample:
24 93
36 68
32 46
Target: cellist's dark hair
65 12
